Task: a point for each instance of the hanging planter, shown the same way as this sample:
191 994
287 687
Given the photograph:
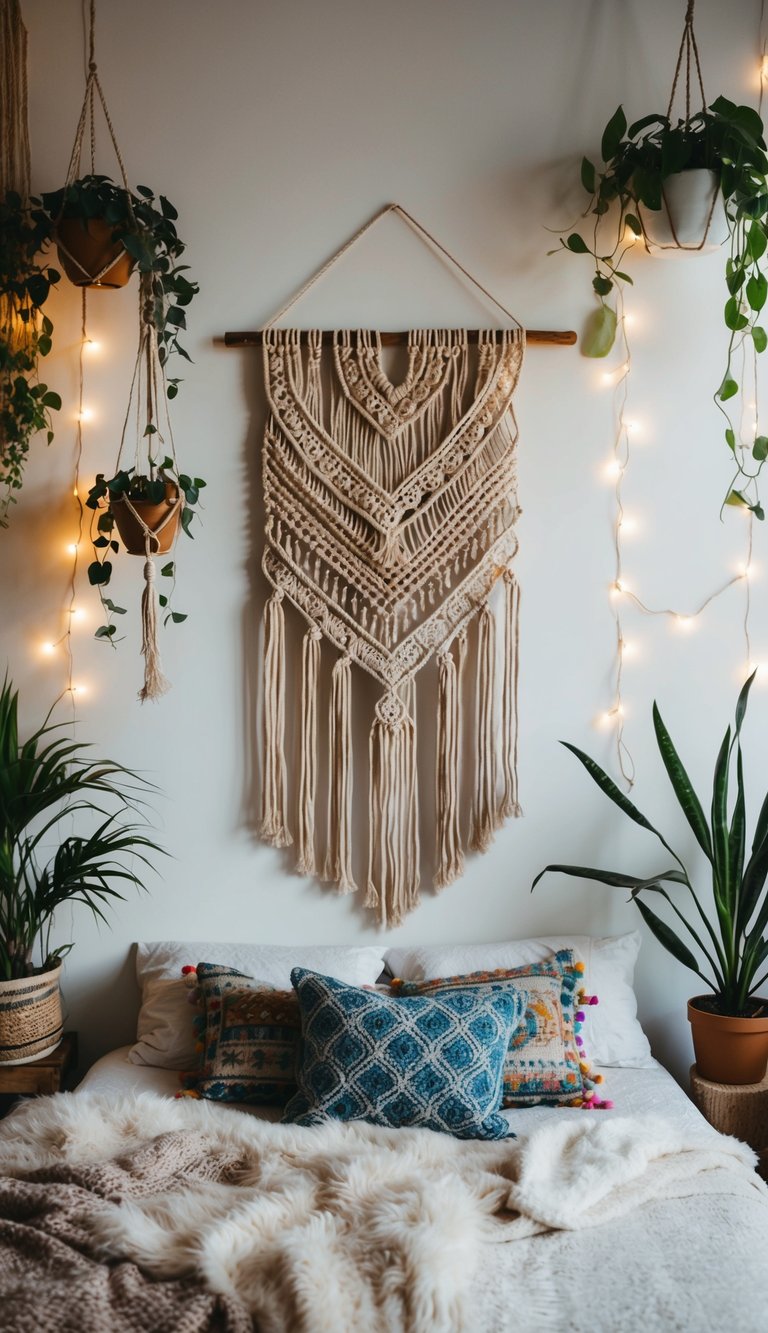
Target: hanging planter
692 216
89 254
686 186
146 503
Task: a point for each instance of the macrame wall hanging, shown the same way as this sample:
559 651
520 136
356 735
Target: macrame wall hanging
390 519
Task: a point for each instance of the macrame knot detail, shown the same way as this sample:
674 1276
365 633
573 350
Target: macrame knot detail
390 709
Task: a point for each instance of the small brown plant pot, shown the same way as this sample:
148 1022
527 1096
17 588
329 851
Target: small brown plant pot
131 531
729 1050
89 256
30 1017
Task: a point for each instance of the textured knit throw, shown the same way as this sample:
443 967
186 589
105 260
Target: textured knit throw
390 513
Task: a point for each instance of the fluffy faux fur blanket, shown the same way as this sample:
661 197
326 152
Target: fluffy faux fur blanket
154 1214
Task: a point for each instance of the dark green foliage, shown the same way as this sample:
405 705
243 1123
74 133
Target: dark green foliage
45 781
736 946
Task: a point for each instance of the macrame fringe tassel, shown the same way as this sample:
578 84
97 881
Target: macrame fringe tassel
393 848
338 866
510 805
449 855
274 829
155 684
484 814
310 665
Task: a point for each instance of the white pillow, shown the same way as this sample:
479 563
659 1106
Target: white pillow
164 1033
614 1036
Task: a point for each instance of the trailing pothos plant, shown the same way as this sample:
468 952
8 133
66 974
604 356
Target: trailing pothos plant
145 224
26 279
636 161
730 938
137 486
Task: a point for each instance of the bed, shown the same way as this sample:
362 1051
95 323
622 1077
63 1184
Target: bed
678 1243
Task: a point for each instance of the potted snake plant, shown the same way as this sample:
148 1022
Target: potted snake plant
46 779
726 942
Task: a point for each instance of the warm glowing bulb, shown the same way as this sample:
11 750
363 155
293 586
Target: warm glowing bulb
628 524
92 346
629 236
607 377
77 613
86 414
628 648
72 548
629 318
75 492
48 648
613 469
685 623
747 571
633 427
764 68
79 689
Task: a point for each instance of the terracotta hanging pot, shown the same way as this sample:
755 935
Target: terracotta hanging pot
729 1050
692 218
89 256
31 1024
156 517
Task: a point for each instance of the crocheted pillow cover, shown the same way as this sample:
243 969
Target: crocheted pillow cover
545 1061
248 1039
435 1061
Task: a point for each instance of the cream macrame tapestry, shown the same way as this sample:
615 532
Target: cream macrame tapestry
390 513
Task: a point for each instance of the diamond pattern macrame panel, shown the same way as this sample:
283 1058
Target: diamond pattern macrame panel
390 508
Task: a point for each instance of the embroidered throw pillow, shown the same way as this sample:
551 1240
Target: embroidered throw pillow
545 1061
435 1061
248 1038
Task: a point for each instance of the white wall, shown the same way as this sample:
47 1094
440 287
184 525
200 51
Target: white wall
277 128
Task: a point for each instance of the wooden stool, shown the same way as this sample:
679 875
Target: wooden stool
737 1109
39 1076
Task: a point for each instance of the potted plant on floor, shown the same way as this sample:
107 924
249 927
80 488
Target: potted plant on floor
45 780
730 941
25 336
689 184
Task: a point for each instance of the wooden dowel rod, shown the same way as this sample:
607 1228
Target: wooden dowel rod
553 337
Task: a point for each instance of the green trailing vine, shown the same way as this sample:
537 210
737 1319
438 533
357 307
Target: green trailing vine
636 161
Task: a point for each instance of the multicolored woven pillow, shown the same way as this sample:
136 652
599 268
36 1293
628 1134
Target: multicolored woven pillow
435 1061
248 1037
545 1061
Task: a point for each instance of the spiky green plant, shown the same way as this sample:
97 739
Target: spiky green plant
731 942
44 781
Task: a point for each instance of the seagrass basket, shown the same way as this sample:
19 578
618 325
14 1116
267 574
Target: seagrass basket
30 1017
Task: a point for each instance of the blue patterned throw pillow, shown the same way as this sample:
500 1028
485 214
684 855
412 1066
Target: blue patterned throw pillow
435 1061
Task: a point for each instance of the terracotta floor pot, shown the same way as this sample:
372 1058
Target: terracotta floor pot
31 1024
89 256
131 532
729 1050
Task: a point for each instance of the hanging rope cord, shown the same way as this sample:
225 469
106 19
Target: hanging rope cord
689 52
420 231
14 162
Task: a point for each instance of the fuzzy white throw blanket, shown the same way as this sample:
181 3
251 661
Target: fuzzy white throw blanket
343 1228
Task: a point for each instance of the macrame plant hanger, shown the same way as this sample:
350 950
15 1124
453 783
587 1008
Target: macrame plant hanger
390 519
688 54
147 383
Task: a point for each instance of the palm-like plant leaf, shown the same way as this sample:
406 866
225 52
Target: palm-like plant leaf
42 780
615 794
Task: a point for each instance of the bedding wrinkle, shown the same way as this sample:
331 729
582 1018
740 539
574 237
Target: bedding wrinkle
338 1227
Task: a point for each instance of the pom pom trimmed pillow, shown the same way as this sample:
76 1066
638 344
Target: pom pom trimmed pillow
434 1061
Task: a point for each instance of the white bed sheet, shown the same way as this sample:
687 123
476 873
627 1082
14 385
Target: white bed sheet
632 1091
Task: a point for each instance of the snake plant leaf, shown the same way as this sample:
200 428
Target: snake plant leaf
737 835
616 878
600 332
721 879
752 890
741 704
668 938
682 785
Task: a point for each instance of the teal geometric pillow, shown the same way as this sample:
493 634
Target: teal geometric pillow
249 1038
437 1062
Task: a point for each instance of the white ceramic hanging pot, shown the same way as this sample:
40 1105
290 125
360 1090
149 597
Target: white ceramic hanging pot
692 217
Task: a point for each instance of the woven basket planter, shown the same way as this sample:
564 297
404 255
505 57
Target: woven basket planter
31 1024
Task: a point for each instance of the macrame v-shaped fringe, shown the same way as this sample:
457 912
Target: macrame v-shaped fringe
390 513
